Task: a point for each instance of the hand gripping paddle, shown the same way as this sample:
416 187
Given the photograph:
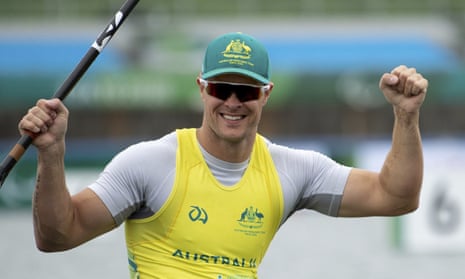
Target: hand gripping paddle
25 141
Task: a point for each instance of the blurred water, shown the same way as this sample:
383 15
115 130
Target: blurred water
308 246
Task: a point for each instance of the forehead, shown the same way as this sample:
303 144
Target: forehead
235 78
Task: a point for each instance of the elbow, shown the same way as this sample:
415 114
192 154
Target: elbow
49 247
408 206
43 247
406 202
408 210
49 243
413 202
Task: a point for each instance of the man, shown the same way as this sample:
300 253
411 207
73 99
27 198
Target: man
206 202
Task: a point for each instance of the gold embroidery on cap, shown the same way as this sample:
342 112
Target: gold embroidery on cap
238 53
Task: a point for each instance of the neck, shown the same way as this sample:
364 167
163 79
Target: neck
224 149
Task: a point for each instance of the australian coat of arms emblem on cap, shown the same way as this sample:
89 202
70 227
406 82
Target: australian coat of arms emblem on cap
237 52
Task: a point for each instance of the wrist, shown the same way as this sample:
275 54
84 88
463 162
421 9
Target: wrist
406 117
52 153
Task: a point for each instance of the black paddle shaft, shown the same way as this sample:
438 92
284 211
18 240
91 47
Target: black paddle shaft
25 141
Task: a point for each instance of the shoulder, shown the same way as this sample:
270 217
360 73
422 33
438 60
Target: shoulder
168 141
164 145
286 154
146 154
301 164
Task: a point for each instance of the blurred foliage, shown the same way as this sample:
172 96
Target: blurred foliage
161 66
143 89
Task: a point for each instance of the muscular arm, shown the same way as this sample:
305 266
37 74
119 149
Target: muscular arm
61 221
396 188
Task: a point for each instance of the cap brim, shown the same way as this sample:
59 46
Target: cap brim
232 70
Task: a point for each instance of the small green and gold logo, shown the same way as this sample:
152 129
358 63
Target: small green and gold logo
238 53
237 49
251 218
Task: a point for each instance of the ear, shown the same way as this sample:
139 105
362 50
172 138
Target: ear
201 84
268 93
201 87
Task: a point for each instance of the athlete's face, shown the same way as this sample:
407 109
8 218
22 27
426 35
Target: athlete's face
232 119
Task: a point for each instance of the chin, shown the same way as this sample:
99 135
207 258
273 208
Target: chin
234 135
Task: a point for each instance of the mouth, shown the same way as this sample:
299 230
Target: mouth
232 117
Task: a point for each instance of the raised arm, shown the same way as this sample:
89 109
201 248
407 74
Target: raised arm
61 221
396 188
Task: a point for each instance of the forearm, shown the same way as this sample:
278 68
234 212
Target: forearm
395 190
402 173
52 206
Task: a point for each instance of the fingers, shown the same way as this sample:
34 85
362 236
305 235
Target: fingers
40 117
388 81
409 82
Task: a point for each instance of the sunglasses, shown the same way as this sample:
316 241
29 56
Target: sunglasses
224 90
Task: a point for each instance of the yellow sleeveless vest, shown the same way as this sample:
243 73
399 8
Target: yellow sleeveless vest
206 229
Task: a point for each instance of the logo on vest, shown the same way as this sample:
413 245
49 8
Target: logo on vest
198 214
251 221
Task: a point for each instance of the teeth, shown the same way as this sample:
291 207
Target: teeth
231 117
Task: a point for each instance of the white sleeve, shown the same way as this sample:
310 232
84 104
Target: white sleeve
137 181
310 180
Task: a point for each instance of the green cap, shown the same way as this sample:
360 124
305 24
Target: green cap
236 53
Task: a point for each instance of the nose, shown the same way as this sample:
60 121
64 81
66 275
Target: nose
232 100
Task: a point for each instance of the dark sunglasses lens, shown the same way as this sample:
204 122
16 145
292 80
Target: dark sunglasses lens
247 93
220 91
243 92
